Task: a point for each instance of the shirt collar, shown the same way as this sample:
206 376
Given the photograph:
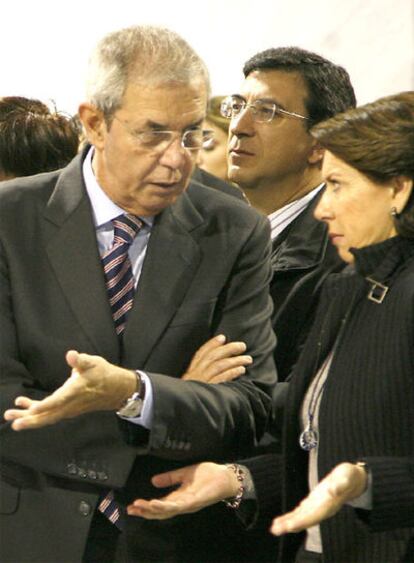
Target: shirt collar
282 217
103 208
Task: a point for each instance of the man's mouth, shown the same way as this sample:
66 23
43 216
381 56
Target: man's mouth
165 185
237 151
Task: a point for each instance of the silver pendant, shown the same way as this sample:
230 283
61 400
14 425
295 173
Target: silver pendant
308 440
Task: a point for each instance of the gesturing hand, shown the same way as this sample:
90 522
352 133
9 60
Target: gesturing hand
94 385
199 486
344 483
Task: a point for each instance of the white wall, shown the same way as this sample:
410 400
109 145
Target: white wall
45 44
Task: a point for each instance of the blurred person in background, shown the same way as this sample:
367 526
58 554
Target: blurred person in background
213 157
211 169
34 138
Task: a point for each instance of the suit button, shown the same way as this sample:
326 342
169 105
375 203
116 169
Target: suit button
84 508
82 472
92 474
102 475
71 468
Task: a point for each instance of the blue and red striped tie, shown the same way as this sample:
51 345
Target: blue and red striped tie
118 269
120 286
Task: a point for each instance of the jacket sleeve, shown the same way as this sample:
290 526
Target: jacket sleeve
266 471
193 420
392 493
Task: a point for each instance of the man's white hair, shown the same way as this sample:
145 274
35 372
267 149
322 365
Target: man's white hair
147 55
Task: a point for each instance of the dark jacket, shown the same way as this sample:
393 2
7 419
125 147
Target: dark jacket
202 177
366 411
302 258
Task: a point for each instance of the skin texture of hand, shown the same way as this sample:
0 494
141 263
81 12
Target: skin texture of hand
199 486
344 483
216 361
94 385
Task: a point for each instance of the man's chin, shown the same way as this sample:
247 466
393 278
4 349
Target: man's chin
236 175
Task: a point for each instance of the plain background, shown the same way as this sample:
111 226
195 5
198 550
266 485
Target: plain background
45 44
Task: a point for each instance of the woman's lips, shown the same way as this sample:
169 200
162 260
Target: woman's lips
335 237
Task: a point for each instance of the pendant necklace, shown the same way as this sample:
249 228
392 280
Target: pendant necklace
309 438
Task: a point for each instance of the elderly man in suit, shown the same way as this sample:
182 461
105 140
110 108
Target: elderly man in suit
113 272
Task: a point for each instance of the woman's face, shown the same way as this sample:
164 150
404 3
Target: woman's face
356 209
213 159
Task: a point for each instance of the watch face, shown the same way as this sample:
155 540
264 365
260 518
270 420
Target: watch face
133 407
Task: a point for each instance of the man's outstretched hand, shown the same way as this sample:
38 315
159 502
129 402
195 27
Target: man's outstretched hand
94 385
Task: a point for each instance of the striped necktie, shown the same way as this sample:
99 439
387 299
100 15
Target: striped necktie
118 269
120 286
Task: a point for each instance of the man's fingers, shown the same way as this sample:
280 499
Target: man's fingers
71 358
228 350
216 349
223 368
24 402
228 375
13 414
59 400
28 422
210 345
80 362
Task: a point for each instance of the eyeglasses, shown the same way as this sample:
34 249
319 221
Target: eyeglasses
262 112
159 141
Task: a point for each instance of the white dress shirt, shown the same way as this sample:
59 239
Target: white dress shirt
282 217
104 210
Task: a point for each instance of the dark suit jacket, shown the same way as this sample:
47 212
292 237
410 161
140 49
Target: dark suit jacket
206 271
203 177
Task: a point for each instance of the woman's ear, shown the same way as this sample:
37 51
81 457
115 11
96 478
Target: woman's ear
402 187
94 124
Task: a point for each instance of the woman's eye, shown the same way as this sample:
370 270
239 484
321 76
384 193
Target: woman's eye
334 186
210 145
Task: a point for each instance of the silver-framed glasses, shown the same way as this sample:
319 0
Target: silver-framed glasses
159 140
262 111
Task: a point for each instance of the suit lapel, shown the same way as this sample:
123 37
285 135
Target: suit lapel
170 264
73 253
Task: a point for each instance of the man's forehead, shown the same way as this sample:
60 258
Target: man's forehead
172 105
178 99
274 84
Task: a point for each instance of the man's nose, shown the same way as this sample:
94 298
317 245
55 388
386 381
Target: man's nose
174 155
243 123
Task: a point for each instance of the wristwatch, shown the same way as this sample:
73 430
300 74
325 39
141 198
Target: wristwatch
132 407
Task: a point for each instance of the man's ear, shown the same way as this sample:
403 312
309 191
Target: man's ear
94 124
316 154
402 187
